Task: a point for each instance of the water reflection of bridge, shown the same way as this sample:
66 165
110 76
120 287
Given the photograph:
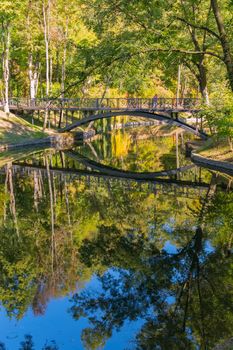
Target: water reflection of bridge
171 185
124 174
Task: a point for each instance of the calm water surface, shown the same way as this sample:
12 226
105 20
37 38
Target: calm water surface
100 250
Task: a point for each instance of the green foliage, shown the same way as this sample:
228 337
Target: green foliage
219 117
129 48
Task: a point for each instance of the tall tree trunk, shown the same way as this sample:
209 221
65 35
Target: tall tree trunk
178 82
50 74
202 79
202 71
63 75
63 72
46 40
6 70
228 59
57 68
33 72
199 46
31 80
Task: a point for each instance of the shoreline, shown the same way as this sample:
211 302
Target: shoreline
17 133
58 140
193 148
216 149
55 140
35 142
224 166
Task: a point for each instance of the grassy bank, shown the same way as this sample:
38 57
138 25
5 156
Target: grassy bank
14 130
217 149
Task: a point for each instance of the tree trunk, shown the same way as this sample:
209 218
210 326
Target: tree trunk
33 72
46 40
50 74
178 82
6 70
228 60
199 46
202 76
63 73
31 80
202 79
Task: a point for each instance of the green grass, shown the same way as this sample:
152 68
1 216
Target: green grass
218 149
15 130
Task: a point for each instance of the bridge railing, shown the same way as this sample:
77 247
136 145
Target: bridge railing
108 103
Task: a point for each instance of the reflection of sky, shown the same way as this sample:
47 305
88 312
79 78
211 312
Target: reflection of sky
169 226
208 247
169 248
57 324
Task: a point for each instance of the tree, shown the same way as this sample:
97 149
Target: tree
27 344
224 40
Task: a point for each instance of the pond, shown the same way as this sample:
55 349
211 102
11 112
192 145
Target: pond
108 246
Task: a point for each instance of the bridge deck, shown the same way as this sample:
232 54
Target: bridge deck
107 109
113 104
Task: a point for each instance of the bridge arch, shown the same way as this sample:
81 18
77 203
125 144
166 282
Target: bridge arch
143 114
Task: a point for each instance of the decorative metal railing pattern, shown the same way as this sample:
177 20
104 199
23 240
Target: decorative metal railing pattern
162 104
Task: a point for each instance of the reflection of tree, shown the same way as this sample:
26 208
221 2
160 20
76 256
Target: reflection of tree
49 204
27 344
219 219
133 152
119 230
25 262
26 276
9 187
185 298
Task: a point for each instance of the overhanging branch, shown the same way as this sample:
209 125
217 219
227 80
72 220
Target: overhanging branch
129 55
207 29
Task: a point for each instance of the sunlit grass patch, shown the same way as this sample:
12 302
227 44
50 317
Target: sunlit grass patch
14 129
